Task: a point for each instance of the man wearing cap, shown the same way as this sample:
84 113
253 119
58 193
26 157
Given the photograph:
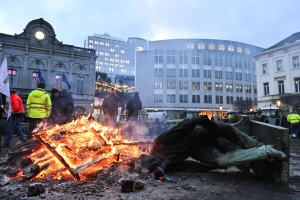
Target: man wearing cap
38 107
110 107
14 125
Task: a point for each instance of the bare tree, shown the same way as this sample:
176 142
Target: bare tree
243 105
291 100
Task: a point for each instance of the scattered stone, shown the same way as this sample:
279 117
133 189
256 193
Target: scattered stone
4 180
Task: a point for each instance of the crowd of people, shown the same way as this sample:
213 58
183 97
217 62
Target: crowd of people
42 109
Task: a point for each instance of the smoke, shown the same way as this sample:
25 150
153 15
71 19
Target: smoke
135 130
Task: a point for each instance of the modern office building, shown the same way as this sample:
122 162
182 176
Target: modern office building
203 74
37 49
278 70
115 65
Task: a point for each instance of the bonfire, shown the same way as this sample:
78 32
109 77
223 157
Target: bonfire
77 150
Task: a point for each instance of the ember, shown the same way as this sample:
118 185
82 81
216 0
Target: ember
78 149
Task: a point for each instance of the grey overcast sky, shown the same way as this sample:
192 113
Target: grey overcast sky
257 22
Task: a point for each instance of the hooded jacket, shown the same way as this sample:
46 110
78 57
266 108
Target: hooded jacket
133 106
16 104
38 104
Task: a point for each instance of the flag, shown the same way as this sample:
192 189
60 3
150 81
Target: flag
4 84
65 80
40 77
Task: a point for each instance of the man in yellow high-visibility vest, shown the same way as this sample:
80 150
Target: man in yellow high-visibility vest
294 119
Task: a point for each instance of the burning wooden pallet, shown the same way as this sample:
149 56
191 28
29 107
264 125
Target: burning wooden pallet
79 147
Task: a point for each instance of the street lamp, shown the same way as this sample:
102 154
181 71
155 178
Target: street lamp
278 104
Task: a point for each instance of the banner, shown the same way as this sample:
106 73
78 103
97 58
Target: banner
4 84
40 77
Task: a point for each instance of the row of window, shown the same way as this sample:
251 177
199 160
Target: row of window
279 66
220 47
158 72
184 98
58 81
206 86
158 59
280 86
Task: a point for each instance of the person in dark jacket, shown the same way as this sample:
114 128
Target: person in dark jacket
66 106
133 106
56 114
110 107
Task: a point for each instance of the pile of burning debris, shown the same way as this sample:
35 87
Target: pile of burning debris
80 151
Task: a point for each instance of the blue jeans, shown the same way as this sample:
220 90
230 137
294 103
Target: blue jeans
294 129
14 127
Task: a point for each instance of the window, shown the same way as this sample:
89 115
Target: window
265 68
171 98
239 98
171 85
158 98
230 48
183 72
229 99
207 86
247 65
229 87
201 46
195 72
255 90
80 82
279 65
12 77
206 61
183 98
247 51
195 85
34 79
190 45
218 87
239 88
221 47
219 99
296 61
218 74
207 73
239 49
183 57
238 76
158 85
207 99
195 98
229 75
238 64
218 62
158 72
280 87
195 58
170 72
58 84
158 57
248 89
171 56
183 85
211 46
266 89
228 63
254 78
297 84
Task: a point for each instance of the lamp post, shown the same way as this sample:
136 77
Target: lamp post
278 104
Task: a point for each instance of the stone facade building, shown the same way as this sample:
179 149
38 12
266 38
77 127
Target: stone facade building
38 49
